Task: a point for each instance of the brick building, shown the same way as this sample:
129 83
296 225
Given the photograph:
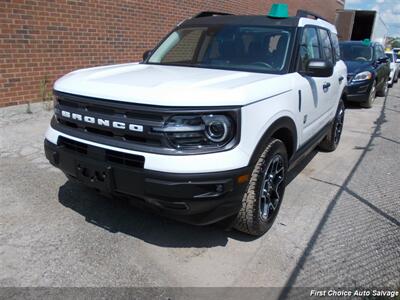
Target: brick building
42 40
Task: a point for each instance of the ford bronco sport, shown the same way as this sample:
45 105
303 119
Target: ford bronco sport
206 127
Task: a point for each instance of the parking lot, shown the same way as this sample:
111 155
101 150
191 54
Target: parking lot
339 224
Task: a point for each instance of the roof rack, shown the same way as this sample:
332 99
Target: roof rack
210 14
306 13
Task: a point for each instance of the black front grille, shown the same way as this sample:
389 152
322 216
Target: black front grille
125 159
72 145
121 158
143 116
101 110
96 120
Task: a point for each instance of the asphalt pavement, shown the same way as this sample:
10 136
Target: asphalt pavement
339 224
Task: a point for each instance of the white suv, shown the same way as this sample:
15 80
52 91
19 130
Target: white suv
207 126
394 67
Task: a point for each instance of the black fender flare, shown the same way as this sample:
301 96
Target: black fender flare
282 124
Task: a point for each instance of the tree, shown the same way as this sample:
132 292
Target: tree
396 43
393 42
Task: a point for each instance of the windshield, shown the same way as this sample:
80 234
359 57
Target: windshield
247 48
356 52
390 56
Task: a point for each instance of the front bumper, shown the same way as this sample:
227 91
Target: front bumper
193 198
359 91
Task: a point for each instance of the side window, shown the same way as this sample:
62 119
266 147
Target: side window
382 51
326 45
309 47
376 50
379 53
335 44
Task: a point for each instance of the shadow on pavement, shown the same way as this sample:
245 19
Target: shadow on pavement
300 166
118 215
356 105
286 293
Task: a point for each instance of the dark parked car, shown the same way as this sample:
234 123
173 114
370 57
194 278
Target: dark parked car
368 71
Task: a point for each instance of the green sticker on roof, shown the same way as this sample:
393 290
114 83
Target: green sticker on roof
366 42
279 10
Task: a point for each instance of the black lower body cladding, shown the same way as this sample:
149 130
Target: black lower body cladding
199 199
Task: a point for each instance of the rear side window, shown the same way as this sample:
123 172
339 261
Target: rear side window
326 45
335 44
379 53
382 51
309 47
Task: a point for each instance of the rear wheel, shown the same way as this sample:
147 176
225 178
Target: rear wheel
371 97
263 197
332 139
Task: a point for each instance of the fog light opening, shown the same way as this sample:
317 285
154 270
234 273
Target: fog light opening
243 178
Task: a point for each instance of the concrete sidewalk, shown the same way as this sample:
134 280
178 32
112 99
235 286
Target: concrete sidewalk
338 225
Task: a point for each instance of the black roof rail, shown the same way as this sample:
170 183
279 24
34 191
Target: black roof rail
210 14
306 13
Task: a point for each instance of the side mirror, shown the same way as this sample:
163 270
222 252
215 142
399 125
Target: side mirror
319 68
147 54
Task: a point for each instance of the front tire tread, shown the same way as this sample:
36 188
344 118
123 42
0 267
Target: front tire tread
248 219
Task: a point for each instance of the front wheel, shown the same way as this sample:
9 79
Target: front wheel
332 139
264 194
371 97
385 89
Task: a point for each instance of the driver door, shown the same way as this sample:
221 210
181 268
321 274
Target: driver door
314 91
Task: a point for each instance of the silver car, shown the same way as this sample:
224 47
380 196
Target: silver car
394 67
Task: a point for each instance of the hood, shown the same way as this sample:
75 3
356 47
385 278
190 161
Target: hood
171 85
354 67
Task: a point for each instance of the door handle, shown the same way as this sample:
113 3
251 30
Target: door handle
326 86
341 79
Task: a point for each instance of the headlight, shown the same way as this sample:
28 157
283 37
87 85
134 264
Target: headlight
200 132
362 76
218 129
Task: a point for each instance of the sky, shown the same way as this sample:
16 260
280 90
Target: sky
389 11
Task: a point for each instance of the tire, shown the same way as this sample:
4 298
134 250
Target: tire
371 97
264 194
332 139
384 91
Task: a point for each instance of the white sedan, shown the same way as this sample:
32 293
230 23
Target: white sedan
394 67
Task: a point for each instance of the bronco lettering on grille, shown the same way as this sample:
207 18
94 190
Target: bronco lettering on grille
101 122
